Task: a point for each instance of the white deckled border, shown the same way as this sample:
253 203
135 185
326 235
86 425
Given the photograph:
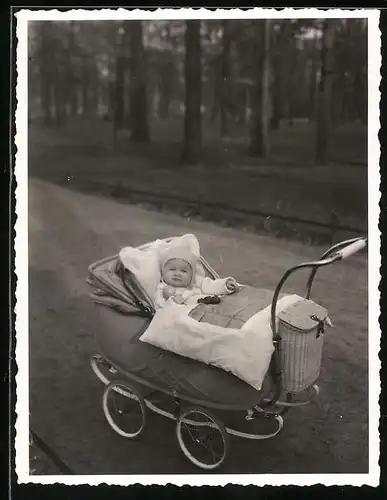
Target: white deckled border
21 246
190 13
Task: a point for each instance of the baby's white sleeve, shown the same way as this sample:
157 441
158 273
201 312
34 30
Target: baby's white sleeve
159 298
214 287
185 294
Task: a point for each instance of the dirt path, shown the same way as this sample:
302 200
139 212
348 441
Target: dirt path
68 231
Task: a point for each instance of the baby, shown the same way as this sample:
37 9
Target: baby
179 283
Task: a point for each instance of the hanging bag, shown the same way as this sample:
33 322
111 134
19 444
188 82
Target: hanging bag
301 328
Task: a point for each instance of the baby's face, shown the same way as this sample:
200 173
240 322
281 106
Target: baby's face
177 273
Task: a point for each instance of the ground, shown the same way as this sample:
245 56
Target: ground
228 186
69 230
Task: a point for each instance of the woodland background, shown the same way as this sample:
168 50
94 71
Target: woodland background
265 118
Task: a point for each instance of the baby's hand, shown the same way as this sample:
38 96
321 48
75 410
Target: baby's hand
167 293
178 299
232 285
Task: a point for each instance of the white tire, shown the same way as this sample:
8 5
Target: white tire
124 409
202 438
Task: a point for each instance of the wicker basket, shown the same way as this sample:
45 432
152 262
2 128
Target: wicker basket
301 328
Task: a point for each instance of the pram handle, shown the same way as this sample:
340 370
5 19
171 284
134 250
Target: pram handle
339 251
354 247
345 249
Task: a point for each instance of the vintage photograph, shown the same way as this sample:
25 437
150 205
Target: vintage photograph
199 236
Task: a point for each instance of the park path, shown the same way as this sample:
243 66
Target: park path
68 231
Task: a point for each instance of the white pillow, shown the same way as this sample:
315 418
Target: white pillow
144 264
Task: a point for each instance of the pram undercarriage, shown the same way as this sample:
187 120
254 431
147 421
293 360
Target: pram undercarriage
200 411
125 407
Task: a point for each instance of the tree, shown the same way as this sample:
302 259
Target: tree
266 84
256 137
259 132
81 67
166 77
349 93
325 91
119 92
276 84
282 39
216 83
225 84
60 75
138 85
119 82
44 56
313 78
71 78
193 93
166 71
53 62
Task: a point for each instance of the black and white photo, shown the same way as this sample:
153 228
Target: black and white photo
197 246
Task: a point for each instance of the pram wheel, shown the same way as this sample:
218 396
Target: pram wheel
202 438
124 409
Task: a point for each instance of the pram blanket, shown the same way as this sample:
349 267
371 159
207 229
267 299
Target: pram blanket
244 351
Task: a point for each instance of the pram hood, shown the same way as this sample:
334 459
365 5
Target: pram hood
110 289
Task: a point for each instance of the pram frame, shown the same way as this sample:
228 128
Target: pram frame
269 407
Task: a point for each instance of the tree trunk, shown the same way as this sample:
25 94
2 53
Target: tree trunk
45 72
59 105
336 102
126 111
313 81
167 78
215 100
118 102
325 92
266 98
248 106
94 97
138 85
71 103
285 68
258 135
214 85
360 97
240 103
193 94
290 90
276 105
59 84
224 88
166 75
278 70
46 99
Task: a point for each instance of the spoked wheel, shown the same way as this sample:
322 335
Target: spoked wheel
124 409
202 438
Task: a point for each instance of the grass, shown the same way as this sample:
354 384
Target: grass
286 185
